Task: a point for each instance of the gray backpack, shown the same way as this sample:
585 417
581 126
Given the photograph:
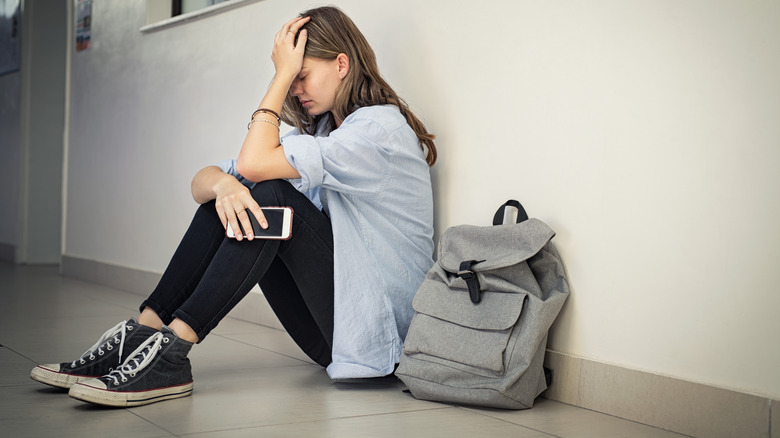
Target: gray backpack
482 314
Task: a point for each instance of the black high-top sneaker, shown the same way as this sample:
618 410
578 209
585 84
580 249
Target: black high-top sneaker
108 353
157 370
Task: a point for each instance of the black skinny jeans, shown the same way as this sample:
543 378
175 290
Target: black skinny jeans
210 273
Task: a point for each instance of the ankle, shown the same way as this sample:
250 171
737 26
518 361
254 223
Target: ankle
149 318
183 331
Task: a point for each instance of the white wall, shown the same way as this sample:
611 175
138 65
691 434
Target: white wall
644 132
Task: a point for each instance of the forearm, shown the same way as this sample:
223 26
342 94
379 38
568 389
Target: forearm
261 157
205 182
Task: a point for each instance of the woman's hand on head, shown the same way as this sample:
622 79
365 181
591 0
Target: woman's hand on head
232 201
287 56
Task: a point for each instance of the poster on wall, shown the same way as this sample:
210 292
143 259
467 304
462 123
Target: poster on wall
83 24
10 35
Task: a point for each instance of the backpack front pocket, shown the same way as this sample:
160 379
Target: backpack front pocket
468 336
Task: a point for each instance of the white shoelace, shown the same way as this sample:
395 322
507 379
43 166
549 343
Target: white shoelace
116 332
139 359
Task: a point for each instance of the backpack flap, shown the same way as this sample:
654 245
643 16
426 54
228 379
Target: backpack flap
499 245
496 249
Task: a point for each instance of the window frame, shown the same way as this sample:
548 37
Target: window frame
160 16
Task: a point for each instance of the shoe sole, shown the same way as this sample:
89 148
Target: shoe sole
56 378
128 399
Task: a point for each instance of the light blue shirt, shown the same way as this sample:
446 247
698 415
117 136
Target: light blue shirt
371 178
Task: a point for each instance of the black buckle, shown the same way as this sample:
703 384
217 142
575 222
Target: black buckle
466 275
470 277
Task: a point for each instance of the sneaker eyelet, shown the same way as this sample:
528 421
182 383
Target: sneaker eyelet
129 328
91 357
82 361
166 340
124 379
109 347
101 352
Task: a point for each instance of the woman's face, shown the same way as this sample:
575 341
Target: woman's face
316 85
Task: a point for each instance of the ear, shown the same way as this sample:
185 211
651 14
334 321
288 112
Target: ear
343 63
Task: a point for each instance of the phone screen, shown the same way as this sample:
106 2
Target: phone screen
274 217
278 219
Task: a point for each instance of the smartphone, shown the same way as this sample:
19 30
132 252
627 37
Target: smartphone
279 224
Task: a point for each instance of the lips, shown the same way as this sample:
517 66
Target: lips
306 103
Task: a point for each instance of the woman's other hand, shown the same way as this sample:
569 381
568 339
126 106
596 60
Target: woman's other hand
287 56
231 199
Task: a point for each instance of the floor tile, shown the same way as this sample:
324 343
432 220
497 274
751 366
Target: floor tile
14 368
232 326
218 355
273 396
562 420
273 340
58 340
35 410
444 423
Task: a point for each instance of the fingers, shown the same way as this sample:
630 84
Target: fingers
291 28
287 56
232 218
243 207
235 214
245 223
301 43
258 213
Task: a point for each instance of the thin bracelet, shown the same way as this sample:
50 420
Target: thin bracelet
262 120
266 111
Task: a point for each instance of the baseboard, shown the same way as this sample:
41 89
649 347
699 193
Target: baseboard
253 308
669 403
7 253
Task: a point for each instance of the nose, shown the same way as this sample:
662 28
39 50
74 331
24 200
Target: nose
295 88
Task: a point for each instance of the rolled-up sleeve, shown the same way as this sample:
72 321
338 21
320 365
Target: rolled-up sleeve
303 153
354 158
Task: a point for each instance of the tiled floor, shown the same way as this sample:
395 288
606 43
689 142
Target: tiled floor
249 381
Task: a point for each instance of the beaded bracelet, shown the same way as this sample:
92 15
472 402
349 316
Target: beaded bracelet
249 125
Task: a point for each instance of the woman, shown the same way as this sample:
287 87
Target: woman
356 173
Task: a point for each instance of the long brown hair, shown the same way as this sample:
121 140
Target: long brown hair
330 32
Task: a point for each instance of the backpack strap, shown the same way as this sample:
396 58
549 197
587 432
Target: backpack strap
470 277
498 219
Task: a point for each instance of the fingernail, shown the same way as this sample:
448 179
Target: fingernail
264 225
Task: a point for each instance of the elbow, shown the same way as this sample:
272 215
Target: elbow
195 191
252 173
